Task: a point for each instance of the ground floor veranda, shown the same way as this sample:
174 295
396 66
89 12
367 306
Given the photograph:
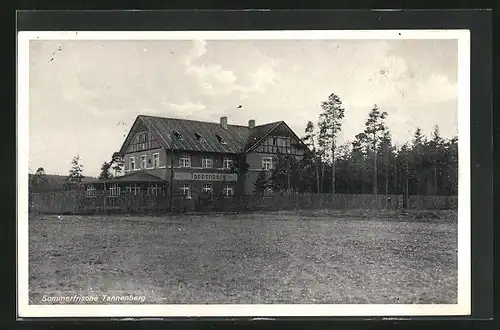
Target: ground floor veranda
142 190
140 183
146 184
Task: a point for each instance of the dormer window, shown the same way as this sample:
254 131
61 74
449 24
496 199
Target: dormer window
220 139
177 135
199 137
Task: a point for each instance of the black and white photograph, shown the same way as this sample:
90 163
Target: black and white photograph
252 173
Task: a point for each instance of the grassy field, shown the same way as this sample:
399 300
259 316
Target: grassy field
277 257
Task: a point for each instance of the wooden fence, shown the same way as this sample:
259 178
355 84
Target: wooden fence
75 202
432 202
60 202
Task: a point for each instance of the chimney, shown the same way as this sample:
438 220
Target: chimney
223 122
251 123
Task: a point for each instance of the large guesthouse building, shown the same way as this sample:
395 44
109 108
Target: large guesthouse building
189 158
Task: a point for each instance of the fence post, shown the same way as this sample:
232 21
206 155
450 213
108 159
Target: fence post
104 198
61 204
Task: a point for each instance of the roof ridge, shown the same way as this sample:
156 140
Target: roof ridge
272 123
193 120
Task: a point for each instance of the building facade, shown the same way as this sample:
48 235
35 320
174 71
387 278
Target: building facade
192 158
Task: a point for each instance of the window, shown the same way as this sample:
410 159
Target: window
133 190
220 139
206 161
154 190
143 161
132 163
207 188
185 160
156 160
267 163
90 191
114 190
227 190
185 191
177 135
199 137
227 162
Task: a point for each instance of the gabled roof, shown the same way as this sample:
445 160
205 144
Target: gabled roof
236 138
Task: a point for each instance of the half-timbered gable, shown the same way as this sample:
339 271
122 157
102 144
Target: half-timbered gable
281 139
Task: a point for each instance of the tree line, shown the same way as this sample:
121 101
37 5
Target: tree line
370 164
42 182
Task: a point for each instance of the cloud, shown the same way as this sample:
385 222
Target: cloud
437 88
214 80
209 77
263 77
397 84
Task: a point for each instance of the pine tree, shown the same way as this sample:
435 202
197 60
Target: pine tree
359 153
330 124
75 174
402 163
451 160
261 183
375 128
387 149
305 176
322 156
105 173
240 167
280 174
309 140
39 179
116 163
436 146
417 160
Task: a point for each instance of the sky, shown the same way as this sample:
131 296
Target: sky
85 94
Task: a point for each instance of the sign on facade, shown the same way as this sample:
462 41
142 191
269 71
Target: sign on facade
227 177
